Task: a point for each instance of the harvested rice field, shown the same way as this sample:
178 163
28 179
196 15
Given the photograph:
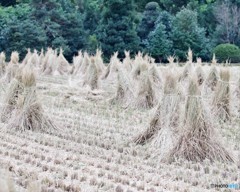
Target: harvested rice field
124 127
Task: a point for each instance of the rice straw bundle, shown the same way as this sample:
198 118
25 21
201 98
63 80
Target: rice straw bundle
214 60
28 113
198 139
212 78
187 70
154 75
77 62
221 100
112 68
10 100
124 93
63 65
6 182
27 57
41 58
2 64
139 68
51 64
145 97
85 63
238 89
172 65
127 62
35 59
99 61
45 61
11 72
200 75
171 59
92 75
14 58
199 61
165 117
190 56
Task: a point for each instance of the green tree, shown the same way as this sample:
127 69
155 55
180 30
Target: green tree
149 18
173 6
8 2
187 34
62 23
227 51
19 30
117 30
159 44
166 19
92 14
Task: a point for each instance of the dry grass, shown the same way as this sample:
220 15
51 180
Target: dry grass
165 114
27 112
92 75
198 138
2 64
212 78
95 150
124 93
14 58
221 100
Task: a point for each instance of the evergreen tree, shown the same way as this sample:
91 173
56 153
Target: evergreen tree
166 19
8 2
187 34
147 23
20 31
117 30
159 44
92 14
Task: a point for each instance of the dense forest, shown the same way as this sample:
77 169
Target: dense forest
159 28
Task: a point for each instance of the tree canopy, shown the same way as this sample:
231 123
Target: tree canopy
159 28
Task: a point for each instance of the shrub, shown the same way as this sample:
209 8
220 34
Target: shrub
227 51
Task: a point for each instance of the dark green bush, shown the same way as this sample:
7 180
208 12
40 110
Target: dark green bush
227 51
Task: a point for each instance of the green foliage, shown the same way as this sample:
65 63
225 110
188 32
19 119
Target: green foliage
117 28
173 6
8 2
147 23
187 34
62 23
93 44
158 43
19 31
92 14
167 20
114 25
227 51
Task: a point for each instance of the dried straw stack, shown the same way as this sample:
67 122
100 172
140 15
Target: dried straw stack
14 90
221 100
99 61
127 62
77 62
199 72
63 66
213 76
2 64
124 93
145 95
112 68
92 75
28 113
166 117
198 139
188 68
